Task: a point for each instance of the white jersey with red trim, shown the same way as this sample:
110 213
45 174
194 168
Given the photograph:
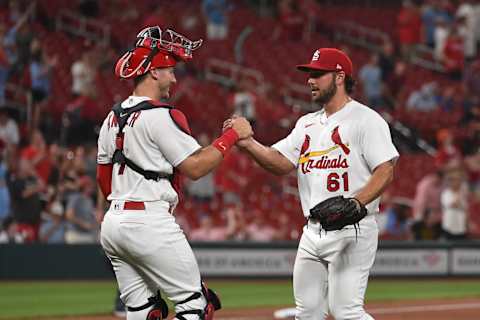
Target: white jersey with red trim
336 155
153 141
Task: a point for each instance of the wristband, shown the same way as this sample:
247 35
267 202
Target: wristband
225 141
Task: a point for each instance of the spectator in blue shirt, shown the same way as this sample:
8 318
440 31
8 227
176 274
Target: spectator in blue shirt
424 99
53 225
215 12
40 72
398 226
371 78
431 12
4 193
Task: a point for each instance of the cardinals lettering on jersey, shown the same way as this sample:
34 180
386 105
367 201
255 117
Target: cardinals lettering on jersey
325 161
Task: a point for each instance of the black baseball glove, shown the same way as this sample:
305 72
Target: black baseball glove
338 212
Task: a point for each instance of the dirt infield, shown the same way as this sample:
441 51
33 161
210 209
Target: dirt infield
444 309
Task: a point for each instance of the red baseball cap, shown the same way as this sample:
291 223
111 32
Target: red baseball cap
328 59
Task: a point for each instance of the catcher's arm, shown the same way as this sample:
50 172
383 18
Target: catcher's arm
267 157
101 204
382 176
206 159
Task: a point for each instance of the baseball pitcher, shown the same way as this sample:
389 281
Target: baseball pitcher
143 145
345 158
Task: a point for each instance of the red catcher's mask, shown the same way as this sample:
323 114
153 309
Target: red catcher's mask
155 48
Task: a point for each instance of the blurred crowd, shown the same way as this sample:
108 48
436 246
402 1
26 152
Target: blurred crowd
445 200
439 210
48 158
451 29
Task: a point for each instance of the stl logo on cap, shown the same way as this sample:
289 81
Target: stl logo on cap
328 59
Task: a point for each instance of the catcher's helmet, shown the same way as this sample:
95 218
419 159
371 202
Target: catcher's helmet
155 48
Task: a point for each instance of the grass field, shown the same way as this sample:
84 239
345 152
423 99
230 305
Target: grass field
28 300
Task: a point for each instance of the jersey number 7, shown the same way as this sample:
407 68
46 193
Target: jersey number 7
334 181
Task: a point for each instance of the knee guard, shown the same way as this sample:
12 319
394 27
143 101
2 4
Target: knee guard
213 304
159 310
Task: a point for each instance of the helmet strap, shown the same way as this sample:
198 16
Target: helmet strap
154 50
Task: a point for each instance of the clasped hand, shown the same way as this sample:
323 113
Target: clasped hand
240 125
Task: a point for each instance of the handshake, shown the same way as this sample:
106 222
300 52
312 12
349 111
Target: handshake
241 126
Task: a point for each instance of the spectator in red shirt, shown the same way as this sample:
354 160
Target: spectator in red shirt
454 55
292 21
37 153
447 151
409 27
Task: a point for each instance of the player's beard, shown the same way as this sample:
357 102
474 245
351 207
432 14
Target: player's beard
324 96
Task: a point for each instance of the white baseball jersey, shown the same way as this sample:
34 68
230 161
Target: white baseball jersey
154 142
336 155
454 215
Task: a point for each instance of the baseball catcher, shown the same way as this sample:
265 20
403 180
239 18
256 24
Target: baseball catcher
338 212
143 145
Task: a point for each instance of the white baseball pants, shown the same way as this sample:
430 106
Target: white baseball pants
331 271
149 251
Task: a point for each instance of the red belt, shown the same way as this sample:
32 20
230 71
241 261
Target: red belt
133 205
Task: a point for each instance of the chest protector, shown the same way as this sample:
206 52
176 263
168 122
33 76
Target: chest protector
122 116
